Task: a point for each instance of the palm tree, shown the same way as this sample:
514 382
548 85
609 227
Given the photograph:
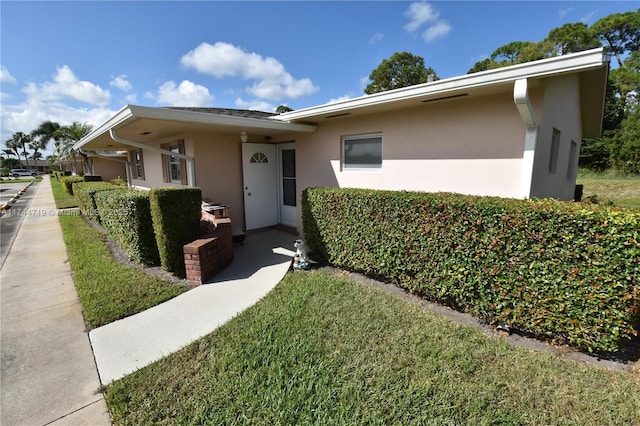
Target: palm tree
66 136
41 137
13 145
19 143
8 152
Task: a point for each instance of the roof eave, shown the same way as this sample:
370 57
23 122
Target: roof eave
132 112
585 60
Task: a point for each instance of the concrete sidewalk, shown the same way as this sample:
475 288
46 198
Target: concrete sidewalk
136 341
49 374
51 369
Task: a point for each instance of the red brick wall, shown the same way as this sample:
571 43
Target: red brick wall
206 257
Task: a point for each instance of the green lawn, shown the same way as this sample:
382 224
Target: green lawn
62 199
323 349
611 188
108 290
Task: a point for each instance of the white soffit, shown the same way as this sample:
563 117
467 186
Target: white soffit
130 113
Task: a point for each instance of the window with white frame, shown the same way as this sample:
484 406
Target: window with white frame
173 167
362 152
137 164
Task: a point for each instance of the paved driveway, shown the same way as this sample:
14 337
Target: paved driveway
12 218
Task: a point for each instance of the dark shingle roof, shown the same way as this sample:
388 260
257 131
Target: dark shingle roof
228 111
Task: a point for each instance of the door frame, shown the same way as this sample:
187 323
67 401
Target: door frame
280 146
276 178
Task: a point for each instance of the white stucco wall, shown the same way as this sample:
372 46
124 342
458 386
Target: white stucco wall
469 145
560 111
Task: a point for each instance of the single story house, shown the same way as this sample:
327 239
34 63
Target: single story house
509 132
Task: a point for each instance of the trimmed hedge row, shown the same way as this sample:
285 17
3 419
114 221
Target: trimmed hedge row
176 216
126 216
68 182
85 196
565 271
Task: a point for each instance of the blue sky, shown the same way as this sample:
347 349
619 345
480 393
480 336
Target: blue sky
84 60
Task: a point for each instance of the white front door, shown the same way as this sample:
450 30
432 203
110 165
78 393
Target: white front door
259 172
287 192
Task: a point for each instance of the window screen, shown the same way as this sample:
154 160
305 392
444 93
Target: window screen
362 152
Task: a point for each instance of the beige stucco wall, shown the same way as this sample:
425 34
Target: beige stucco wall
469 145
218 169
561 96
109 169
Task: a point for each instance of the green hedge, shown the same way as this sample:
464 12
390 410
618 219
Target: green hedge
565 271
68 182
176 220
85 192
126 216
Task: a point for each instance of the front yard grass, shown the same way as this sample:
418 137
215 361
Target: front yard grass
62 199
609 187
323 349
108 290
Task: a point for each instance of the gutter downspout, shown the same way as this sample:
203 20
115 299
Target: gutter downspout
525 109
191 174
125 162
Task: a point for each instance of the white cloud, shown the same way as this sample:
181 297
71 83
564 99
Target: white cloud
339 99
27 116
565 12
131 99
423 13
419 14
121 83
438 30
186 94
376 38
255 105
54 100
66 85
221 60
5 76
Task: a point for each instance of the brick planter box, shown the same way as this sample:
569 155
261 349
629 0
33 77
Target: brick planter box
206 257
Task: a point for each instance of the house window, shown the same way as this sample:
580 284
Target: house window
362 152
137 165
555 150
259 157
571 168
173 167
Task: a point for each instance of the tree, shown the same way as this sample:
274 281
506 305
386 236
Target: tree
626 155
19 143
41 137
509 53
571 38
400 70
620 32
9 152
13 146
282 109
66 136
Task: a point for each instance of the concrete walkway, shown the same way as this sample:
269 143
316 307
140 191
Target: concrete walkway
48 372
126 345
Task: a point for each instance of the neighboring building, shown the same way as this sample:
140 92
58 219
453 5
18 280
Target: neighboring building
509 132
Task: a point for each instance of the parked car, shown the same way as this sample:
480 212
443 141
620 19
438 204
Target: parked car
22 172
